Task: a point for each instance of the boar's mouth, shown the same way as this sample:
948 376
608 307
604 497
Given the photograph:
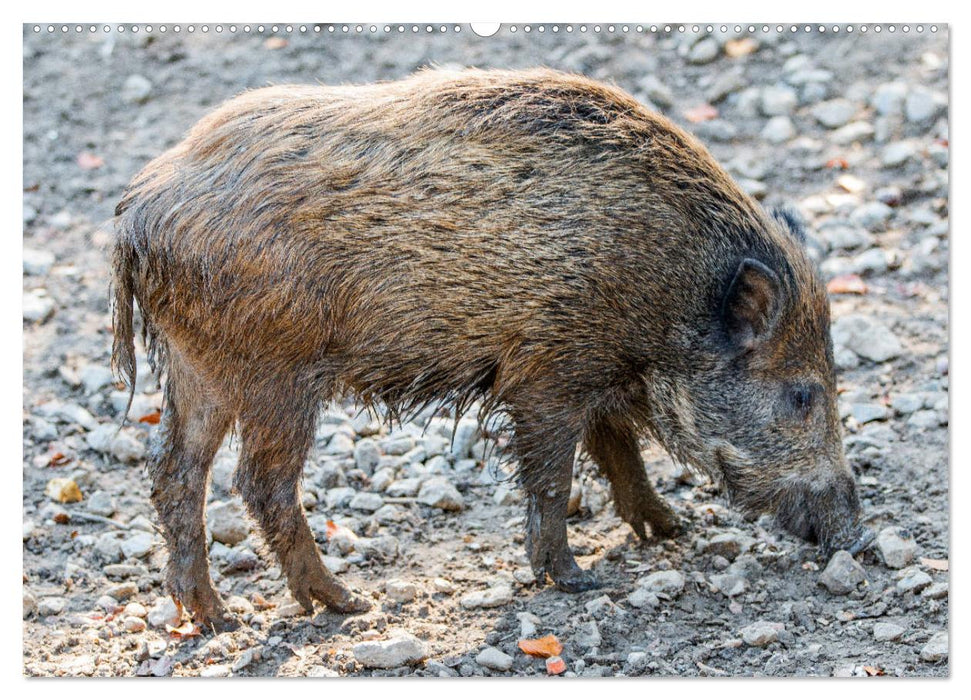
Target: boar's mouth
826 514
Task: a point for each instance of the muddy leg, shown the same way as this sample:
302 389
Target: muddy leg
192 428
275 441
613 446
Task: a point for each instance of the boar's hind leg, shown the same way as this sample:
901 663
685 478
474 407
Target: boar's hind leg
546 475
276 436
613 446
192 428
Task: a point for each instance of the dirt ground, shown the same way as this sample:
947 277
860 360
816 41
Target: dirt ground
851 129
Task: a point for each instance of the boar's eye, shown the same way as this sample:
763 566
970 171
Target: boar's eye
802 399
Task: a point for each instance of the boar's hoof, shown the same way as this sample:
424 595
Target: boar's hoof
226 622
577 584
353 603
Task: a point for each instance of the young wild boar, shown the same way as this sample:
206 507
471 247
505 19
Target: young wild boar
534 240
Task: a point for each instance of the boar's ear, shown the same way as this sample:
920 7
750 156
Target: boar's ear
752 304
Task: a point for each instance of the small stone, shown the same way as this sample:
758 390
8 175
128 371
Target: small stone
669 583
382 479
340 445
466 433
888 99
843 237
935 591
122 591
642 598
866 337
239 605
438 492
335 565
729 585
134 624
494 597
51 605
761 633
492 658
588 635
887 632
400 591
778 101
867 412
63 490
656 91
896 154
528 625
368 502
524 575
95 377
778 130
726 544
926 420
227 522
442 585
923 105
936 648
30 604
367 455
136 89
872 215
339 497
871 262
164 612
896 546
36 306
834 113
913 581
101 503
404 488
842 574
136 609
400 650
290 609
37 262
138 545
704 51
108 545
246 658
216 671
852 133
507 495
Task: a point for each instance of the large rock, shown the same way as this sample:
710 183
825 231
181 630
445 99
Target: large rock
401 650
896 546
936 648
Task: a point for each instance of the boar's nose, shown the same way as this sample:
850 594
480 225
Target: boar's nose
825 511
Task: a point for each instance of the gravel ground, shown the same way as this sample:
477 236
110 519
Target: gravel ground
852 130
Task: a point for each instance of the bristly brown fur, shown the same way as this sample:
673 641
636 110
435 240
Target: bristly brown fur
535 241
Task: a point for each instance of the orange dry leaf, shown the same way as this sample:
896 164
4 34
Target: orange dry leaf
62 518
89 161
874 671
740 47
57 459
837 164
701 113
846 284
936 564
555 665
544 647
261 603
151 418
275 42
184 631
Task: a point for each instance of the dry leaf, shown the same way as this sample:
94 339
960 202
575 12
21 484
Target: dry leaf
735 48
837 164
261 603
936 564
874 671
62 518
58 459
89 161
555 666
275 42
151 418
184 631
846 284
544 647
701 113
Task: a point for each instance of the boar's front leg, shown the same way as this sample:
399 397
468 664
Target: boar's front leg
276 434
612 444
545 473
193 426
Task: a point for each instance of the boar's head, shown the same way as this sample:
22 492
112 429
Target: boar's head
757 406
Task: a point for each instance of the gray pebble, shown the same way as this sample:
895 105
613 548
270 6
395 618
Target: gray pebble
926 420
843 236
923 105
778 130
888 99
492 658
227 522
656 91
761 633
853 132
842 574
669 583
37 306
704 51
866 412
875 261
51 605
400 591
913 580
400 650
368 502
138 545
497 596
896 154
778 100
887 632
896 546
136 90
867 337
872 215
37 262
936 648
367 456
905 404
834 113
438 492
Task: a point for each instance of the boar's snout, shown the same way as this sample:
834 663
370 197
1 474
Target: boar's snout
826 512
